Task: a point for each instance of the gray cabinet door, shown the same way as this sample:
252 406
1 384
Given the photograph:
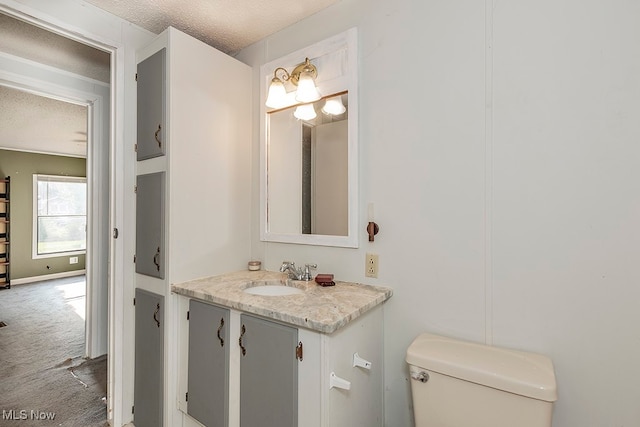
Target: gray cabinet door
268 374
151 79
208 378
148 379
150 206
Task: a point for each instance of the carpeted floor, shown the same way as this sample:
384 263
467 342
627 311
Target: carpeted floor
42 371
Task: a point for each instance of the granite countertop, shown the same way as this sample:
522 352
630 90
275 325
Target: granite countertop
322 309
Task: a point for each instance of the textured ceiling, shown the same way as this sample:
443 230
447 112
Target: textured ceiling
34 123
38 124
228 25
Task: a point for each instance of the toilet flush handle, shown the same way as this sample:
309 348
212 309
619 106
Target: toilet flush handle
421 376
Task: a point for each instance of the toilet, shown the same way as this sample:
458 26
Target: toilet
463 384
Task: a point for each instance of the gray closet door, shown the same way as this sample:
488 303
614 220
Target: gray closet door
150 206
151 78
148 379
268 374
208 378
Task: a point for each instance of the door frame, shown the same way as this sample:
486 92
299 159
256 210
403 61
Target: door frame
88 25
18 74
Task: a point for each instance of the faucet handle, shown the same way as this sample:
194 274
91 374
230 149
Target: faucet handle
307 271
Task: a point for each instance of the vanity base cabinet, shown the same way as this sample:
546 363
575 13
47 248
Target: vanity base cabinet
269 386
149 361
268 373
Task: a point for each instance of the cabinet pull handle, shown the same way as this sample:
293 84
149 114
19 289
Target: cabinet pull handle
157 138
219 329
242 331
155 315
156 259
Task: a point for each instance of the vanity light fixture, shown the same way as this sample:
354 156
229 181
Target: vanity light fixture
334 106
303 76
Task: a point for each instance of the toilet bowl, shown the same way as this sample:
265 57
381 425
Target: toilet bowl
457 383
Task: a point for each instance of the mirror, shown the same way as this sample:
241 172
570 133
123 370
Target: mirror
309 163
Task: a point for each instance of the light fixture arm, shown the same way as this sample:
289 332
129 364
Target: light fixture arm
294 76
285 74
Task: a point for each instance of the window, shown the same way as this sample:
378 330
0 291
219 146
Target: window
59 215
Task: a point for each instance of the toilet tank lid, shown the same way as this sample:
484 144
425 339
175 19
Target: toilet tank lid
519 372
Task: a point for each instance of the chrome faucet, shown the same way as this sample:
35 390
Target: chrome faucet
296 273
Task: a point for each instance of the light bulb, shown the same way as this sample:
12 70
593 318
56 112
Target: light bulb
305 112
277 96
334 106
307 90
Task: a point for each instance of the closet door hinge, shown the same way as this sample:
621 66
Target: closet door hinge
134 259
134 301
299 351
187 315
132 409
135 189
115 233
186 396
136 76
135 147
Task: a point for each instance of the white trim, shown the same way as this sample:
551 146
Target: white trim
52 276
37 177
348 81
56 254
49 68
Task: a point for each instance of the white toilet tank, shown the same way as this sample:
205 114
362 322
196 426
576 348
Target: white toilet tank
462 384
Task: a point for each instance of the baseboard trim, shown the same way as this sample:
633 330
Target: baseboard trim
25 280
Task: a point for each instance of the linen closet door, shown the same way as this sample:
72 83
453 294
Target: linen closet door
150 228
149 347
151 78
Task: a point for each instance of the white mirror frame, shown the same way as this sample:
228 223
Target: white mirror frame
347 81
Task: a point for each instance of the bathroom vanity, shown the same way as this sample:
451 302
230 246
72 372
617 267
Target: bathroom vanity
248 357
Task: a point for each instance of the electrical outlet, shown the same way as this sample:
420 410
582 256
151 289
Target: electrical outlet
371 266
73 260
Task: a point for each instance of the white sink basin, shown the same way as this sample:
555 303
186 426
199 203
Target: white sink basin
269 290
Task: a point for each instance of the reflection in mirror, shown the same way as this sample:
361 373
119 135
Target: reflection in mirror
307 163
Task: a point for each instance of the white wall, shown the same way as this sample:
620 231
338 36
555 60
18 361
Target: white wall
505 184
